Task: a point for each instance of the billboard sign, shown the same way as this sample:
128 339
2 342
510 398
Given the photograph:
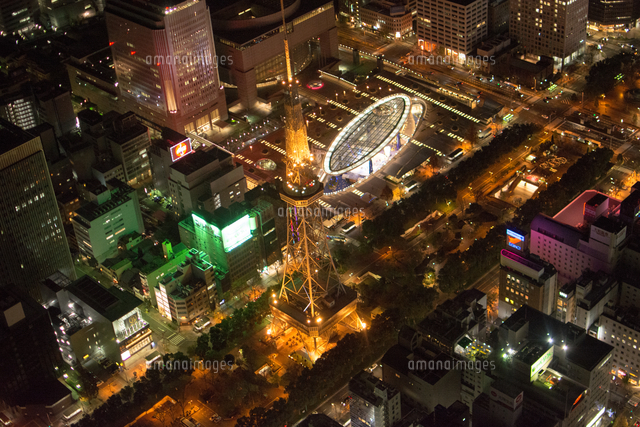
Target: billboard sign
180 150
542 362
515 240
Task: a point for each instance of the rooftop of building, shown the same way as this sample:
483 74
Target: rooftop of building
184 291
120 193
533 262
111 303
573 214
105 166
125 134
89 116
389 10
12 136
628 316
259 33
168 138
365 385
453 318
156 261
222 216
562 232
602 283
532 419
46 392
582 349
532 351
609 224
9 297
398 357
198 160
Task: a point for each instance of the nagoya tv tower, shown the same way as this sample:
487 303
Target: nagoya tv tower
312 300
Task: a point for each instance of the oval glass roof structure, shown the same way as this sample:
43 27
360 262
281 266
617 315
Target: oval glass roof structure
367 134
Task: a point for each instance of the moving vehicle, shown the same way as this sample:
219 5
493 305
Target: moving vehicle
190 422
455 155
339 239
71 412
349 226
4 420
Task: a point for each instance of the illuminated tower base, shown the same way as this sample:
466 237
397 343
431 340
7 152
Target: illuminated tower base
312 300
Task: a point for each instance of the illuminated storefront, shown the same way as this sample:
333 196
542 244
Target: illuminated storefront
132 333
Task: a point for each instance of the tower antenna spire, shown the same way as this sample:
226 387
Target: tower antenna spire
287 56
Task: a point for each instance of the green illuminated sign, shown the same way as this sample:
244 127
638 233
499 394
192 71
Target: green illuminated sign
237 233
542 362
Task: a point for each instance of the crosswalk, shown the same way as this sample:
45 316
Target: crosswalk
566 101
176 339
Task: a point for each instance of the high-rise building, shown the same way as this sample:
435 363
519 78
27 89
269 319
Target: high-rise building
249 37
607 15
17 16
373 403
32 230
498 16
166 63
29 356
526 280
99 225
457 26
557 29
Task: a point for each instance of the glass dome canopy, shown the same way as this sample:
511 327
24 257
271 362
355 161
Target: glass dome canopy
367 134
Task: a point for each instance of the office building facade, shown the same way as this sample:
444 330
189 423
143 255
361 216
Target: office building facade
454 26
166 63
33 232
557 29
30 361
18 16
